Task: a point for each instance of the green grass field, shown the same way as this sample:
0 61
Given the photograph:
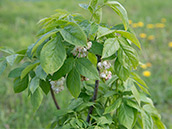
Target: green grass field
18 27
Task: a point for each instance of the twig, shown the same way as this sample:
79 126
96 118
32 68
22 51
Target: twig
54 99
95 91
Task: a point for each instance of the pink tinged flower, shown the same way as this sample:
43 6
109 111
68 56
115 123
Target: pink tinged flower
89 44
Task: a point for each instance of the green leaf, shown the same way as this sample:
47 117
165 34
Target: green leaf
3 65
45 86
73 83
34 84
87 69
93 5
114 106
92 58
129 36
136 94
159 123
147 121
74 35
121 71
75 103
98 15
84 6
138 79
10 59
103 31
21 84
15 72
28 69
96 48
133 104
151 110
43 38
112 80
127 54
36 99
120 10
7 50
40 73
111 45
66 68
53 55
142 88
126 116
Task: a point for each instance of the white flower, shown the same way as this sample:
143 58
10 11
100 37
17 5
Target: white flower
89 44
103 75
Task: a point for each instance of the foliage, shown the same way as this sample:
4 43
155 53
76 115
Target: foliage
119 98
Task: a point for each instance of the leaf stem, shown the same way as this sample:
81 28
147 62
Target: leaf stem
96 11
95 91
54 99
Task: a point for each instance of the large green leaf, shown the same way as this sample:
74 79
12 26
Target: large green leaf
147 121
28 69
138 79
111 45
96 48
53 55
11 59
126 116
66 68
43 38
21 84
129 36
121 71
40 73
45 86
3 65
34 84
127 54
98 15
36 99
103 31
73 82
120 10
15 72
73 34
86 68
114 106
135 94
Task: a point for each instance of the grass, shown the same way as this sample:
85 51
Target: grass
18 28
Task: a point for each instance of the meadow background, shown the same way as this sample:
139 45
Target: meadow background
151 20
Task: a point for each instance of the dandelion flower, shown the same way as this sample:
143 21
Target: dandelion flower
130 21
143 35
170 44
163 20
159 25
140 24
150 26
134 25
147 73
151 37
143 66
148 64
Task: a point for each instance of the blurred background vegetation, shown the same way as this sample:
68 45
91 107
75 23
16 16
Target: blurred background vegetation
151 20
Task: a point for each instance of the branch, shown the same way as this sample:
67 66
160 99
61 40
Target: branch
54 99
95 91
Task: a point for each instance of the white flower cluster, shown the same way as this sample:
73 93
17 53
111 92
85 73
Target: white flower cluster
57 86
104 73
81 51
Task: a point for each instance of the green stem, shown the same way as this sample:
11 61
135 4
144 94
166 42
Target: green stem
96 11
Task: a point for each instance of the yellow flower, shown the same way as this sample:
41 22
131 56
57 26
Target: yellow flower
140 24
163 20
130 21
151 37
159 25
170 44
143 35
146 73
134 25
143 66
148 64
150 26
